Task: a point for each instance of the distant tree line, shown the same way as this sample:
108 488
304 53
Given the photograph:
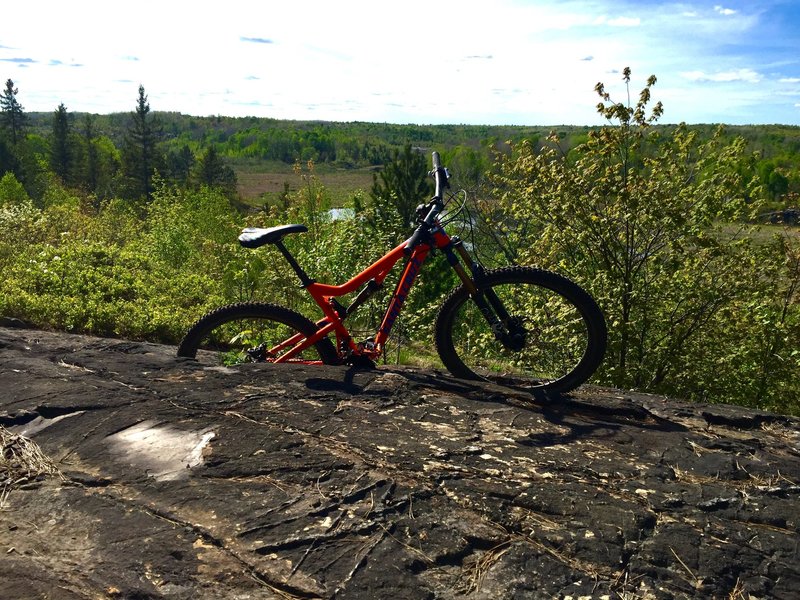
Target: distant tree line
79 156
120 154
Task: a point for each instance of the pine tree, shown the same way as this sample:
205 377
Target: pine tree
13 117
396 192
180 164
60 149
140 156
91 174
211 171
8 160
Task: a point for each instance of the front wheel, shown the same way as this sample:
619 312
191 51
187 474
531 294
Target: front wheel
548 333
254 332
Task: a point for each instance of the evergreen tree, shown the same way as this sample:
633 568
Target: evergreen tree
180 164
8 160
91 174
211 171
396 192
140 156
60 149
13 118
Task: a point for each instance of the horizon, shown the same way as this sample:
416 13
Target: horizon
659 123
515 63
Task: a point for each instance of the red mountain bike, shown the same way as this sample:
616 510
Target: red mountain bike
518 325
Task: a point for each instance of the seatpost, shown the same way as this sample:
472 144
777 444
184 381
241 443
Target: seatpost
304 278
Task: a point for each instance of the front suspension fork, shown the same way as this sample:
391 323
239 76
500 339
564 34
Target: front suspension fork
490 306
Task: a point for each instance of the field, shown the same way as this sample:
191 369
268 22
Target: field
268 180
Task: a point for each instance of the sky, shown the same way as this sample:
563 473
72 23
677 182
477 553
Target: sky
490 62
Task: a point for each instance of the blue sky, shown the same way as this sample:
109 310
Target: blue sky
520 62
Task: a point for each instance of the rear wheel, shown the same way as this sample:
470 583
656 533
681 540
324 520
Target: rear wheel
553 334
252 332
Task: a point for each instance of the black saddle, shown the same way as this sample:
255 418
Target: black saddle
254 237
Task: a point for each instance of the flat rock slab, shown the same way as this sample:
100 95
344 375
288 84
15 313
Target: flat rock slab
184 480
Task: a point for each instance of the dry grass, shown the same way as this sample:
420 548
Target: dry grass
21 461
475 571
340 183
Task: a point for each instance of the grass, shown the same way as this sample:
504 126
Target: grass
21 461
413 354
760 233
256 184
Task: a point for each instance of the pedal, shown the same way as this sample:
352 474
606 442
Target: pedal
258 354
359 359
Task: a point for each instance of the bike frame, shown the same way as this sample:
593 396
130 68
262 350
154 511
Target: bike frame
333 321
504 314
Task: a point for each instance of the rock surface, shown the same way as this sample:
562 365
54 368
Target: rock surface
180 480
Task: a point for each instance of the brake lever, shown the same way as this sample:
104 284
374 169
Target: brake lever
434 207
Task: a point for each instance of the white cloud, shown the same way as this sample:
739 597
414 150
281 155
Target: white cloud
617 21
725 11
746 75
334 60
625 22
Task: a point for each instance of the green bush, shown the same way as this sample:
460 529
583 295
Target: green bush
695 308
113 272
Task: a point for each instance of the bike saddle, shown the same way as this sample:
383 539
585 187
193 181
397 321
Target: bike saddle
253 237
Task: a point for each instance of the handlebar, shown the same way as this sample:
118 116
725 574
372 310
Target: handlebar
435 206
440 176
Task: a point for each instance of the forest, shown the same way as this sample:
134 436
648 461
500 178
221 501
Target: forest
125 225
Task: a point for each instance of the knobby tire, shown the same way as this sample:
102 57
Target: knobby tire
202 331
564 340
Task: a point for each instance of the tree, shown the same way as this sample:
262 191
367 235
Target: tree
8 160
638 217
180 163
13 117
91 171
775 183
60 148
468 165
12 193
140 154
396 192
212 171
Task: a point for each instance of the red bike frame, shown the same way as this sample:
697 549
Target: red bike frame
324 294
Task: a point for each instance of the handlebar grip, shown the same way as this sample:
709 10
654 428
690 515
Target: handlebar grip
440 176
